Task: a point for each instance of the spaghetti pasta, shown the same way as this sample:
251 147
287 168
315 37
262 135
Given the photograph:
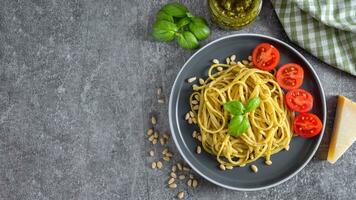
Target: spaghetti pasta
270 130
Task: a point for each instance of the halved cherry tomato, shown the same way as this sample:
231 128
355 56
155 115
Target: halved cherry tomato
307 125
299 100
290 76
265 57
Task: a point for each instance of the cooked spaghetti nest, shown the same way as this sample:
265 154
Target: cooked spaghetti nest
270 124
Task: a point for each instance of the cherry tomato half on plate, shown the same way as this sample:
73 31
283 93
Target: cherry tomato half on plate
307 125
299 100
290 76
265 56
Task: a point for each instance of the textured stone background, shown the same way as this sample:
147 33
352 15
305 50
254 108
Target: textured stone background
77 85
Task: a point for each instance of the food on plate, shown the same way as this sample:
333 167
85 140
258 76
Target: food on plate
290 76
241 114
344 134
307 125
265 56
299 100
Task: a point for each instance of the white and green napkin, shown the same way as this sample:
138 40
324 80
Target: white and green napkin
325 28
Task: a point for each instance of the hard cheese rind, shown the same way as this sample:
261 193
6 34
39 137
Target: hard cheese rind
344 134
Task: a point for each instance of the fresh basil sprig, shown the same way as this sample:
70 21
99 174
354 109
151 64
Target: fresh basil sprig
175 21
239 122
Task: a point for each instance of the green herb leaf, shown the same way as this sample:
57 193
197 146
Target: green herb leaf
187 40
175 9
252 104
182 22
234 107
238 125
161 15
164 30
199 28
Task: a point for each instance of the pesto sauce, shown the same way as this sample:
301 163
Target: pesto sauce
234 13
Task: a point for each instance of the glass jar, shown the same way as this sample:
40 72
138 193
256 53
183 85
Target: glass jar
234 14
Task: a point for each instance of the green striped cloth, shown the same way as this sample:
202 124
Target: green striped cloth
325 28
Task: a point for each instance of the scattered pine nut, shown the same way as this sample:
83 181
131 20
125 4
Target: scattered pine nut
161 101
216 61
191 113
192 79
162 141
159 91
166 158
245 62
173 175
199 138
227 60
187 169
189 183
153 165
220 69
194 102
195 183
181 177
174 168
222 167
194 120
165 151
154 141
229 167
169 154
250 58
152 153
153 120
190 121
151 138
195 86
173 185
156 134
194 134
268 162
254 168
171 180
232 63
180 168
198 150
233 57
286 148
187 116
159 164
180 195
201 81
149 131
196 107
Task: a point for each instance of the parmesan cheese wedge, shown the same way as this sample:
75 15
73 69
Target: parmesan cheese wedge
344 133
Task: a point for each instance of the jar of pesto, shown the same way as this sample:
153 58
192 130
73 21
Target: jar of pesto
234 14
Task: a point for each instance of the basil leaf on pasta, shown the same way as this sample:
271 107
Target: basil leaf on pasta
234 107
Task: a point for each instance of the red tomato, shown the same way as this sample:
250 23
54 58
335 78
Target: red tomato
307 125
265 57
290 76
299 100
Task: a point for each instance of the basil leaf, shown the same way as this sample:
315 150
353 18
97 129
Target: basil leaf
234 107
161 15
164 31
238 125
187 40
182 22
175 9
199 28
252 104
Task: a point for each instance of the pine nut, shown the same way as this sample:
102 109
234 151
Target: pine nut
153 165
232 63
180 195
161 140
195 183
194 120
190 121
198 150
268 162
220 69
227 60
173 175
151 138
191 113
222 167
187 169
286 148
169 154
250 58
159 164
254 168
164 151
189 183
149 131
199 138
166 158
161 101
233 57
245 62
180 168
194 102
229 167
159 91
216 61
174 168
152 153
173 185
181 177
154 141
192 79
194 134
187 116
153 120
170 181
196 107
195 86
201 81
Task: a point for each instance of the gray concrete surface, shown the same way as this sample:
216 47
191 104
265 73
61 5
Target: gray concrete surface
77 85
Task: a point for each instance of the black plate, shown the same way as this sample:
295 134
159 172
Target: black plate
286 163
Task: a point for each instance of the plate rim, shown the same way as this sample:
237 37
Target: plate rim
170 113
